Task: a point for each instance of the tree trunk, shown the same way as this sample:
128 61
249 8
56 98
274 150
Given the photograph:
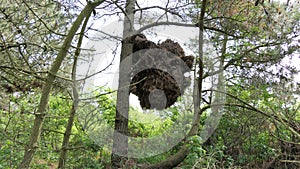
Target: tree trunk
40 113
120 144
65 144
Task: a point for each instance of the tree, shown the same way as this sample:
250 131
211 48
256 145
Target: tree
120 145
40 113
63 155
27 48
241 49
247 71
227 23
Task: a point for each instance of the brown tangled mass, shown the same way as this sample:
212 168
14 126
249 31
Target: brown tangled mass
158 72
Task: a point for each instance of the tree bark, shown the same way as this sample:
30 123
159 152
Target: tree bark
40 113
67 134
120 144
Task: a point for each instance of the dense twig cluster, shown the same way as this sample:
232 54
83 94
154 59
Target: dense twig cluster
158 72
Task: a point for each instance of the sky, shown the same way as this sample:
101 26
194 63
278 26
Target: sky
104 48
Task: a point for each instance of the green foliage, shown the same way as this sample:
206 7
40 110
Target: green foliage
251 133
140 124
206 157
14 119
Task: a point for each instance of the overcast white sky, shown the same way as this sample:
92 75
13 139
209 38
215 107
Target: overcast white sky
104 48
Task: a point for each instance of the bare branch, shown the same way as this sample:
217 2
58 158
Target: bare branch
182 24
